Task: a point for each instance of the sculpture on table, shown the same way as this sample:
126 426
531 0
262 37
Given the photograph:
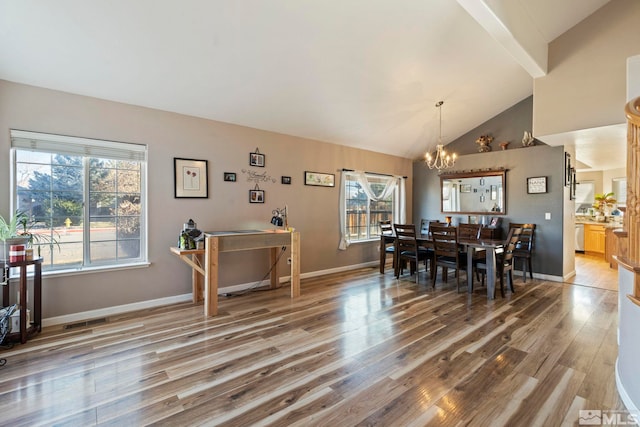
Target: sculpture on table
483 143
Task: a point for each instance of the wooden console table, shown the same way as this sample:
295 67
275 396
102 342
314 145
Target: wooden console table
36 324
205 263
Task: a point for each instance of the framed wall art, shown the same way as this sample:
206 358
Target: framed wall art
286 180
190 178
465 188
536 185
230 176
567 169
319 179
256 196
256 159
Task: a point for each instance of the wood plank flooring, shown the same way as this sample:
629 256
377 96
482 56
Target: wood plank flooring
356 349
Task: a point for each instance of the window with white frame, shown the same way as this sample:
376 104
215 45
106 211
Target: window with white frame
367 200
86 198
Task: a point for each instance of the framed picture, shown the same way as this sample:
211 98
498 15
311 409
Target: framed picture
537 185
567 169
230 176
465 188
256 159
190 178
256 196
495 221
319 179
494 192
286 180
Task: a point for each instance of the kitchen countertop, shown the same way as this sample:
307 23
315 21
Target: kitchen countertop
608 224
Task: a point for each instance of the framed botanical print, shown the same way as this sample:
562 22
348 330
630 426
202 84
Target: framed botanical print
190 178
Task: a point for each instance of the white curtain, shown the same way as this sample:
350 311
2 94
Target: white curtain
393 184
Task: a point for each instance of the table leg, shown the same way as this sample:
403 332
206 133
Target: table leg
5 286
383 255
211 255
295 264
197 280
470 269
491 272
23 304
37 296
274 270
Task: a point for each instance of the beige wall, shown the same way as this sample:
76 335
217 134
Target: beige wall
313 210
586 82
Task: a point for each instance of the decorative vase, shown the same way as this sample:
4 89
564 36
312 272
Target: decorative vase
504 145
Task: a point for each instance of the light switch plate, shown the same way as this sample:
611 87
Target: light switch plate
547 215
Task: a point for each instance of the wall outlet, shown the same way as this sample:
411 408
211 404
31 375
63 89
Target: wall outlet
289 260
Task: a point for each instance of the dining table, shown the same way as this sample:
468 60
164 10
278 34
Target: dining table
470 246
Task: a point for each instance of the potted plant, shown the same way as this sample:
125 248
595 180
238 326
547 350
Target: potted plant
33 237
603 202
19 231
10 233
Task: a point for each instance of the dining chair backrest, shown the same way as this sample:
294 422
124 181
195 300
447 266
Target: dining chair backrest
469 231
527 235
406 237
445 240
513 238
386 227
425 224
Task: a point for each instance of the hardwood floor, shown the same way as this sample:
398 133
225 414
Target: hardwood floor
593 270
356 349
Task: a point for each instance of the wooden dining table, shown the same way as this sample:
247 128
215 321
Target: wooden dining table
470 246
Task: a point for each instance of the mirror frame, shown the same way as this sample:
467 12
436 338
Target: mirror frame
476 174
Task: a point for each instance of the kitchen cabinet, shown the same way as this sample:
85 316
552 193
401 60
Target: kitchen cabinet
594 238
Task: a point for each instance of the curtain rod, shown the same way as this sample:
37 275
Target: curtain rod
371 173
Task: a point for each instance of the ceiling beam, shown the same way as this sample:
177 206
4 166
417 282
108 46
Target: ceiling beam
508 23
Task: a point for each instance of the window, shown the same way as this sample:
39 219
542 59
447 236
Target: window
88 195
368 199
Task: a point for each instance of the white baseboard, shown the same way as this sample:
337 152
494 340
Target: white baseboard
119 309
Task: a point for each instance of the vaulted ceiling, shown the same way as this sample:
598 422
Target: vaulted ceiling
362 73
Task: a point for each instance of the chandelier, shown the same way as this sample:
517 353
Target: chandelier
442 160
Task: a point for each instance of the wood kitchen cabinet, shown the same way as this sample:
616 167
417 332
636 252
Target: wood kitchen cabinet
594 238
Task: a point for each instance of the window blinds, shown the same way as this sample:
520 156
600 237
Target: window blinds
70 145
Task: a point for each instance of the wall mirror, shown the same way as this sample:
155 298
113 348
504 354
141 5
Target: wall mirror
474 192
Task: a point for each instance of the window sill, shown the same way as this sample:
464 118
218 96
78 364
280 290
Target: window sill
89 270
373 239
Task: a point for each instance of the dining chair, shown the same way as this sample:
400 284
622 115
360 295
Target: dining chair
504 260
386 229
446 254
407 249
424 225
524 248
469 231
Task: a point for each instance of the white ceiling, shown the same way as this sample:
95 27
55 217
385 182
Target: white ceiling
362 73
